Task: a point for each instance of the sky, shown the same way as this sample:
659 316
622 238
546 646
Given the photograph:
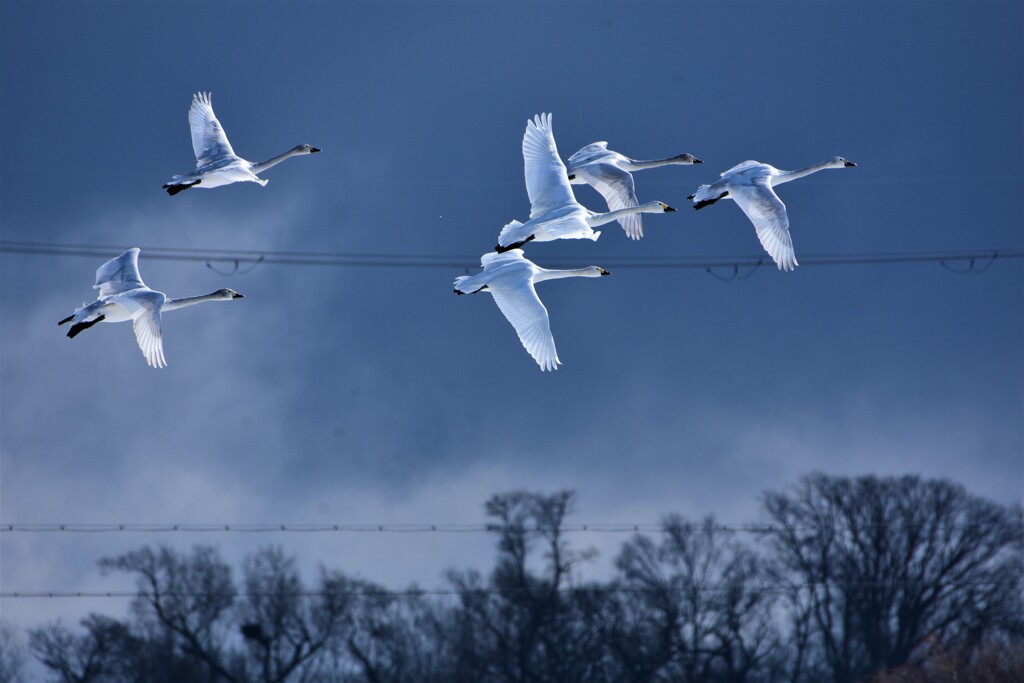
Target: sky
374 395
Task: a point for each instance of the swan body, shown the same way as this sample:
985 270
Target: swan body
124 296
510 278
610 173
554 212
216 162
750 185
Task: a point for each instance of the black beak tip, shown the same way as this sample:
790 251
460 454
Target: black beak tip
669 209
314 150
850 164
604 272
236 295
697 161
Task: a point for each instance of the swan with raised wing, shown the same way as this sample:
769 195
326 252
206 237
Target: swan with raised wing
124 296
554 212
610 173
216 162
510 277
750 185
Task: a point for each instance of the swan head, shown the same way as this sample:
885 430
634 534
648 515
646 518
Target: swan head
657 207
228 294
840 162
306 149
687 159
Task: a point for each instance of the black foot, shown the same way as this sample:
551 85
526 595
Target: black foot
175 189
459 293
515 245
708 202
75 329
66 320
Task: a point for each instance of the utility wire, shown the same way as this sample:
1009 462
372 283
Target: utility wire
978 260
600 528
457 592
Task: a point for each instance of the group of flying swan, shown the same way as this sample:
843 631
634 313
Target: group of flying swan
507 274
123 295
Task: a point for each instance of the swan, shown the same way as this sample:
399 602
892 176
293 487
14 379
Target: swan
750 184
216 162
554 212
509 277
123 296
608 172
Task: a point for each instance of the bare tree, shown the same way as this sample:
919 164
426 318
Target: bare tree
190 597
12 655
100 654
884 565
693 608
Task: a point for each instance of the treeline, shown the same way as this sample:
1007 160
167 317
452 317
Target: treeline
892 580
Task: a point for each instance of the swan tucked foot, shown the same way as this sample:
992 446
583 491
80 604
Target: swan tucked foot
179 187
78 327
515 245
66 320
708 202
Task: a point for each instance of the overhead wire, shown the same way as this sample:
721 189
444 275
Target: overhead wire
238 257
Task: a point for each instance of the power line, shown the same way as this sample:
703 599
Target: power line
611 589
977 260
419 528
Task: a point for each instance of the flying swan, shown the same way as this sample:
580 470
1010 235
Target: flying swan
554 212
750 184
510 277
123 296
608 172
216 162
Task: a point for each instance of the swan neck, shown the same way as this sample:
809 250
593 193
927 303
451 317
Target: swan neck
273 161
546 274
639 165
171 304
786 176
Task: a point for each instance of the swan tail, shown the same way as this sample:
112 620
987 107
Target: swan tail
597 233
174 188
512 233
706 196
78 327
468 284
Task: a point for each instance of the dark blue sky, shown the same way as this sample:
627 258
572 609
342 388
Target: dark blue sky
376 395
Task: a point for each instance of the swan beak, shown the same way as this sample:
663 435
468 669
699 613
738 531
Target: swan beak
603 271
848 164
669 209
697 161
236 295
313 150
572 176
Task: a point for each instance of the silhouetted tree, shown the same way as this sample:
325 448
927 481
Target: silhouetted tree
100 654
881 566
12 655
694 607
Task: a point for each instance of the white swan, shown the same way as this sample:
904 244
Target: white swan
608 172
554 212
123 296
750 185
216 162
510 277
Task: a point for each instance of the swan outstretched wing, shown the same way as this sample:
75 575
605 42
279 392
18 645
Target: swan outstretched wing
523 308
742 166
617 188
768 214
546 180
144 306
119 274
208 139
585 155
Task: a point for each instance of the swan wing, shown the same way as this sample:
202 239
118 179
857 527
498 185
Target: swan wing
768 214
547 182
209 141
494 258
119 274
144 306
592 152
618 189
522 307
